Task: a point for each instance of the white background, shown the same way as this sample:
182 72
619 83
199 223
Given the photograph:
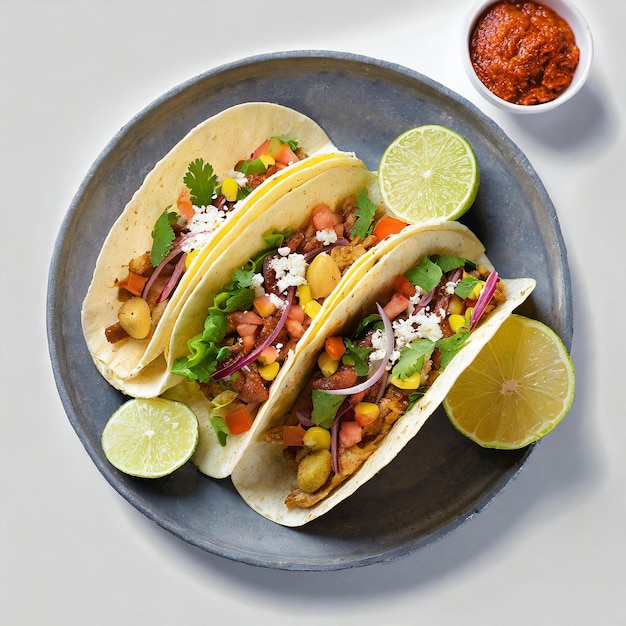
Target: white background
551 549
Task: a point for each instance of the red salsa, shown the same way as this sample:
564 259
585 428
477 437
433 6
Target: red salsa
523 52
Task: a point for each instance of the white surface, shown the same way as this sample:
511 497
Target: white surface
549 550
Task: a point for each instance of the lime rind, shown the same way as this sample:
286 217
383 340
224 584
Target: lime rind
465 397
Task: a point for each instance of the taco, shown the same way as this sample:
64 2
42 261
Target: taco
229 166
376 369
241 329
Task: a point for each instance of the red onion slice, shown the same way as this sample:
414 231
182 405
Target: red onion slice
252 356
172 254
174 278
484 299
376 375
341 241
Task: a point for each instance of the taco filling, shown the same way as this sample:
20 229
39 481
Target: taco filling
363 383
204 203
256 320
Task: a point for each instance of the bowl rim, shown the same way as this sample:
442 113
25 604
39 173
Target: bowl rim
584 39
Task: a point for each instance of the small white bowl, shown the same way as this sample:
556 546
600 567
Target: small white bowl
570 13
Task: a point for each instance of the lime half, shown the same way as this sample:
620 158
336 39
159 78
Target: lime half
428 173
150 438
516 390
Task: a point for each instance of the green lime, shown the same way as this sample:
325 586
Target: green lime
150 437
518 388
428 173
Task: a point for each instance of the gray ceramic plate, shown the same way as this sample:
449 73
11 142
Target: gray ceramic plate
440 479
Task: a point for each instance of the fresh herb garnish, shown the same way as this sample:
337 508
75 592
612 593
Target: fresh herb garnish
412 358
325 407
365 216
200 180
449 346
163 236
427 275
356 357
466 286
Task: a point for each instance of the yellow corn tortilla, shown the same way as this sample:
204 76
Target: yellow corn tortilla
221 140
262 476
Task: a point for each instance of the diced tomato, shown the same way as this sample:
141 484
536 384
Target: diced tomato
404 286
184 205
335 347
340 229
268 355
398 304
247 330
322 217
262 149
296 312
248 343
247 317
350 433
134 283
285 155
294 328
264 306
293 435
388 225
239 421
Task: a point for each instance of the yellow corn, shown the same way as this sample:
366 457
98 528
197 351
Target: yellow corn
267 159
317 438
327 365
190 257
477 289
455 306
412 382
366 412
304 295
312 308
269 372
230 189
457 322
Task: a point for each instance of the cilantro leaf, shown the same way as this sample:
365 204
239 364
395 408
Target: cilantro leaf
325 407
371 322
357 357
365 216
163 236
449 262
426 275
276 238
449 346
292 143
465 286
412 358
200 181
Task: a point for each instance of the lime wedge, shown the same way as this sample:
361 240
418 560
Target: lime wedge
518 388
428 173
150 438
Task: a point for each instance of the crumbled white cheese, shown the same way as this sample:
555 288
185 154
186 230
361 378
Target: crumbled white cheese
278 302
450 287
326 236
205 221
379 344
257 284
239 177
284 251
421 325
290 270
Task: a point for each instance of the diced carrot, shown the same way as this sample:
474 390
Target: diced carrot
350 433
239 421
264 306
322 217
335 347
262 149
388 225
404 286
134 283
396 305
293 435
184 205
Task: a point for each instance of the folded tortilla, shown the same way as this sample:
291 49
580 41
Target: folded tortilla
138 366
292 211
262 476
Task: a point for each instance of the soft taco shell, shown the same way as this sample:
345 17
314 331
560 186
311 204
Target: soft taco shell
263 477
221 140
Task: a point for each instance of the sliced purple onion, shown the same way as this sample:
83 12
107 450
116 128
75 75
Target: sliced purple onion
341 241
377 374
172 254
334 434
484 299
252 356
179 269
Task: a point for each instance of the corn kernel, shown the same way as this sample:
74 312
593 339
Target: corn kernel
269 372
477 289
365 413
312 308
327 365
304 294
455 306
267 159
456 322
317 438
412 382
230 189
190 257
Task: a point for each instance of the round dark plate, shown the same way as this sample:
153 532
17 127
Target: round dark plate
440 479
